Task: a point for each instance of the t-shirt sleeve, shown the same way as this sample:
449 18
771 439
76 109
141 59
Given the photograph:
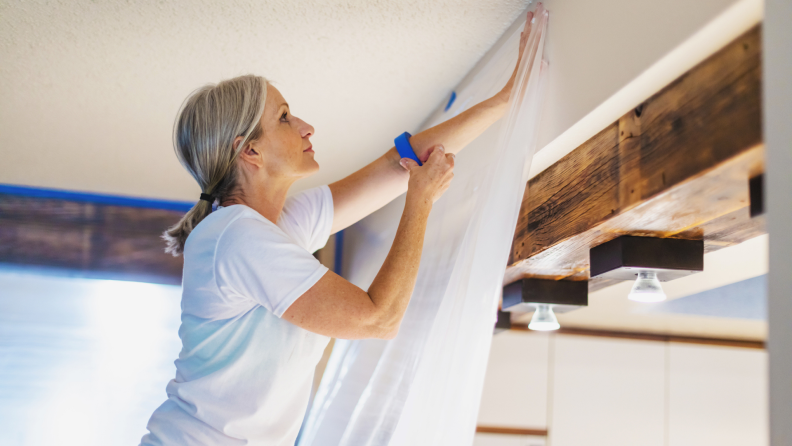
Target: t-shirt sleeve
257 260
308 217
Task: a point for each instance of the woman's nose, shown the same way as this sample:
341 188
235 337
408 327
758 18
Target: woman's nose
306 129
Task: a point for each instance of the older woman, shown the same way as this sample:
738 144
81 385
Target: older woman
257 308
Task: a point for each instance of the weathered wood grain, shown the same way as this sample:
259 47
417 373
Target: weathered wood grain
675 166
116 241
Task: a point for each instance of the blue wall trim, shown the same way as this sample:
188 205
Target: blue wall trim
85 197
338 261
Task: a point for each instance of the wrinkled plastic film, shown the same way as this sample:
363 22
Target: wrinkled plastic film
424 386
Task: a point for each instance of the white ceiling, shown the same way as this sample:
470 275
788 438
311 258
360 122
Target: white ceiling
89 90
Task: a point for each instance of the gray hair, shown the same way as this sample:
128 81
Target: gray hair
203 138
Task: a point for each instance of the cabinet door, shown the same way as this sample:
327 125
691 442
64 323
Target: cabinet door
515 387
607 392
717 395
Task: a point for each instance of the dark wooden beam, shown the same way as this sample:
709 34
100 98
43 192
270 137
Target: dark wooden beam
88 239
675 166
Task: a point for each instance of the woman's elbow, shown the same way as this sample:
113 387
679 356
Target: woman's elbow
390 333
380 329
383 327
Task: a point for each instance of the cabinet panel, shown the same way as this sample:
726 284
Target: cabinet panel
515 387
717 395
507 440
607 392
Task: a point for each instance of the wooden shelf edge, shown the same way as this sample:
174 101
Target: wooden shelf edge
655 337
511 431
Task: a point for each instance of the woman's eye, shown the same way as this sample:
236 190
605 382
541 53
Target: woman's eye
283 116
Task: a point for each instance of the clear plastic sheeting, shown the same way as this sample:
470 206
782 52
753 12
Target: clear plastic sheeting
424 386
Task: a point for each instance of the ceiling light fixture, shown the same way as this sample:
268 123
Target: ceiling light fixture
544 319
647 288
652 259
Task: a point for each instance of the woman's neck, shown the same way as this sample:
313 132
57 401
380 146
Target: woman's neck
267 198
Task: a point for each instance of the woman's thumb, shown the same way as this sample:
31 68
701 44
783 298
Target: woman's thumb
408 164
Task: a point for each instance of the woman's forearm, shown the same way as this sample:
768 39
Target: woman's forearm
375 185
459 131
392 287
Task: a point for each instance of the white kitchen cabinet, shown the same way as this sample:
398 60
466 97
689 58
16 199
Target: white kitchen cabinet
717 396
607 392
515 386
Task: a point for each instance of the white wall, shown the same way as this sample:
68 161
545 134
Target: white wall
778 136
595 48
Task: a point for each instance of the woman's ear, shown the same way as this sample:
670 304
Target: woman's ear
250 154
237 142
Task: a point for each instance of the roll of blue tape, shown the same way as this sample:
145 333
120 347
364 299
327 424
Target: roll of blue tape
405 149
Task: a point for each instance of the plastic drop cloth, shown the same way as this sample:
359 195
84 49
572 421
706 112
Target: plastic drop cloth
424 386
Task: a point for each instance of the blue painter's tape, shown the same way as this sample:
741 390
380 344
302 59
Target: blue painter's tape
450 101
85 197
405 149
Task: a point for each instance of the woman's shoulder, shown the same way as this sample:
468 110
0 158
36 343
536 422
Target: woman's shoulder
225 221
308 217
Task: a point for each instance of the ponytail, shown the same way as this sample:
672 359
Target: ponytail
176 236
209 121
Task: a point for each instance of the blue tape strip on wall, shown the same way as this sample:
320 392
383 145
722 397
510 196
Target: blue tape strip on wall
405 149
88 197
450 101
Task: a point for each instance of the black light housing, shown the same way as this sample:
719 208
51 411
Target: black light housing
503 323
562 295
624 257
756 195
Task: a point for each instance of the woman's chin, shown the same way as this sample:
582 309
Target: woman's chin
309 168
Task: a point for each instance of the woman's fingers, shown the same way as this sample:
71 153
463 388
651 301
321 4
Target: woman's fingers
434 178
525 33
523 43
436 152
428 153
451 158
408 164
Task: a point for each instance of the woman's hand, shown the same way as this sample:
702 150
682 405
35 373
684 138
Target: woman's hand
428 182
506 91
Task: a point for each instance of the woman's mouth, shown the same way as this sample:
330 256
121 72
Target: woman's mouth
309 149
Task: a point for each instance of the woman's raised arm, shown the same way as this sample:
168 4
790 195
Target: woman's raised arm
376 184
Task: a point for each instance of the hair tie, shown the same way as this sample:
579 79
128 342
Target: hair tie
207 197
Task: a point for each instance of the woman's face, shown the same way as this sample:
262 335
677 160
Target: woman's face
285 145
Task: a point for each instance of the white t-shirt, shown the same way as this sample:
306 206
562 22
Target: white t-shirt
244 375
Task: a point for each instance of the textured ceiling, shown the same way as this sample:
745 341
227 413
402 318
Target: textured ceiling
89 90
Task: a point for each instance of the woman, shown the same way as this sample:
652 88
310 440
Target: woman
257 308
